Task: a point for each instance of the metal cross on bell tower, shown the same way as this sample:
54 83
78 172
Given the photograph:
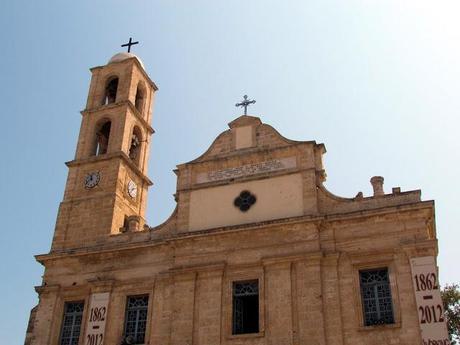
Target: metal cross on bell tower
245 103
129 44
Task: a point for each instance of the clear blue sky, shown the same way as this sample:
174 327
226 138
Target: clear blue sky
376 81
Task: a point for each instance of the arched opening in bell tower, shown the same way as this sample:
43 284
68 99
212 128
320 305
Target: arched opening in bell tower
102 138
110 95
140 98
135 145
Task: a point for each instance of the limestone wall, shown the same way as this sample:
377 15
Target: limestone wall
307 272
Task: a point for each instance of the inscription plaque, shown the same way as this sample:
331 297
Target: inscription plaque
247 170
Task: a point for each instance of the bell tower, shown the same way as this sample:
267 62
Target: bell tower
106 189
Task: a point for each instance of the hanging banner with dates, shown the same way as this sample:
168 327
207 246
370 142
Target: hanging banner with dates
97 316
429 304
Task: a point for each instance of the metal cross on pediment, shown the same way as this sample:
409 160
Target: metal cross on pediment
245 103
129 44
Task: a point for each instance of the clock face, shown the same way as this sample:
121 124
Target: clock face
132 189
92 179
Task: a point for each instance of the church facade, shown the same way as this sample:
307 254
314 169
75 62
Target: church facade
257 251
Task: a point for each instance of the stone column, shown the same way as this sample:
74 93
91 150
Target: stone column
183 308
162 312
308 303
278 303
331 300
208 308
47 317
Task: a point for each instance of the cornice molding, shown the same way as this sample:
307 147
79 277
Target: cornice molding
167 239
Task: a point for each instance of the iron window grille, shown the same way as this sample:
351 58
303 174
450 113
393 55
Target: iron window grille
376 297
136 318
71 323
245 307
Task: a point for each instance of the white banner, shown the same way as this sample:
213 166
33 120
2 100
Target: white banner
97 316
429 304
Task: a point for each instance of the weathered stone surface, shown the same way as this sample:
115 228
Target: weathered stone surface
307 262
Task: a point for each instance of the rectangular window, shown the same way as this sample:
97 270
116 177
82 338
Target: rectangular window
136 318
376 297
71 323
245 307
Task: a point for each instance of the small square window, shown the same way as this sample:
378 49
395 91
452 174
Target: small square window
245 307
136 318
376 297
71 323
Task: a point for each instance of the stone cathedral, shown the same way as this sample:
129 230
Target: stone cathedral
257 250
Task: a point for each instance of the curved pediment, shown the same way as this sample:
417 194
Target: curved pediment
246 133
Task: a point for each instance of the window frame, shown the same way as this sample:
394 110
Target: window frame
60 296
368 262
148 316
375 298
255 281
240 275
63 314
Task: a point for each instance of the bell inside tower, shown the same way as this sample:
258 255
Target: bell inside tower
111 92
102 139
135 147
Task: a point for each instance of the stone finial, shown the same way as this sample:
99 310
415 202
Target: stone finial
377 184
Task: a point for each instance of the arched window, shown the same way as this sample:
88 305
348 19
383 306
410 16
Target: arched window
102 138
140 98
110 95
135 145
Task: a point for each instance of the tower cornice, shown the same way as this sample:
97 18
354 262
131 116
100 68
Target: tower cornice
109 156
128 105
136 61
